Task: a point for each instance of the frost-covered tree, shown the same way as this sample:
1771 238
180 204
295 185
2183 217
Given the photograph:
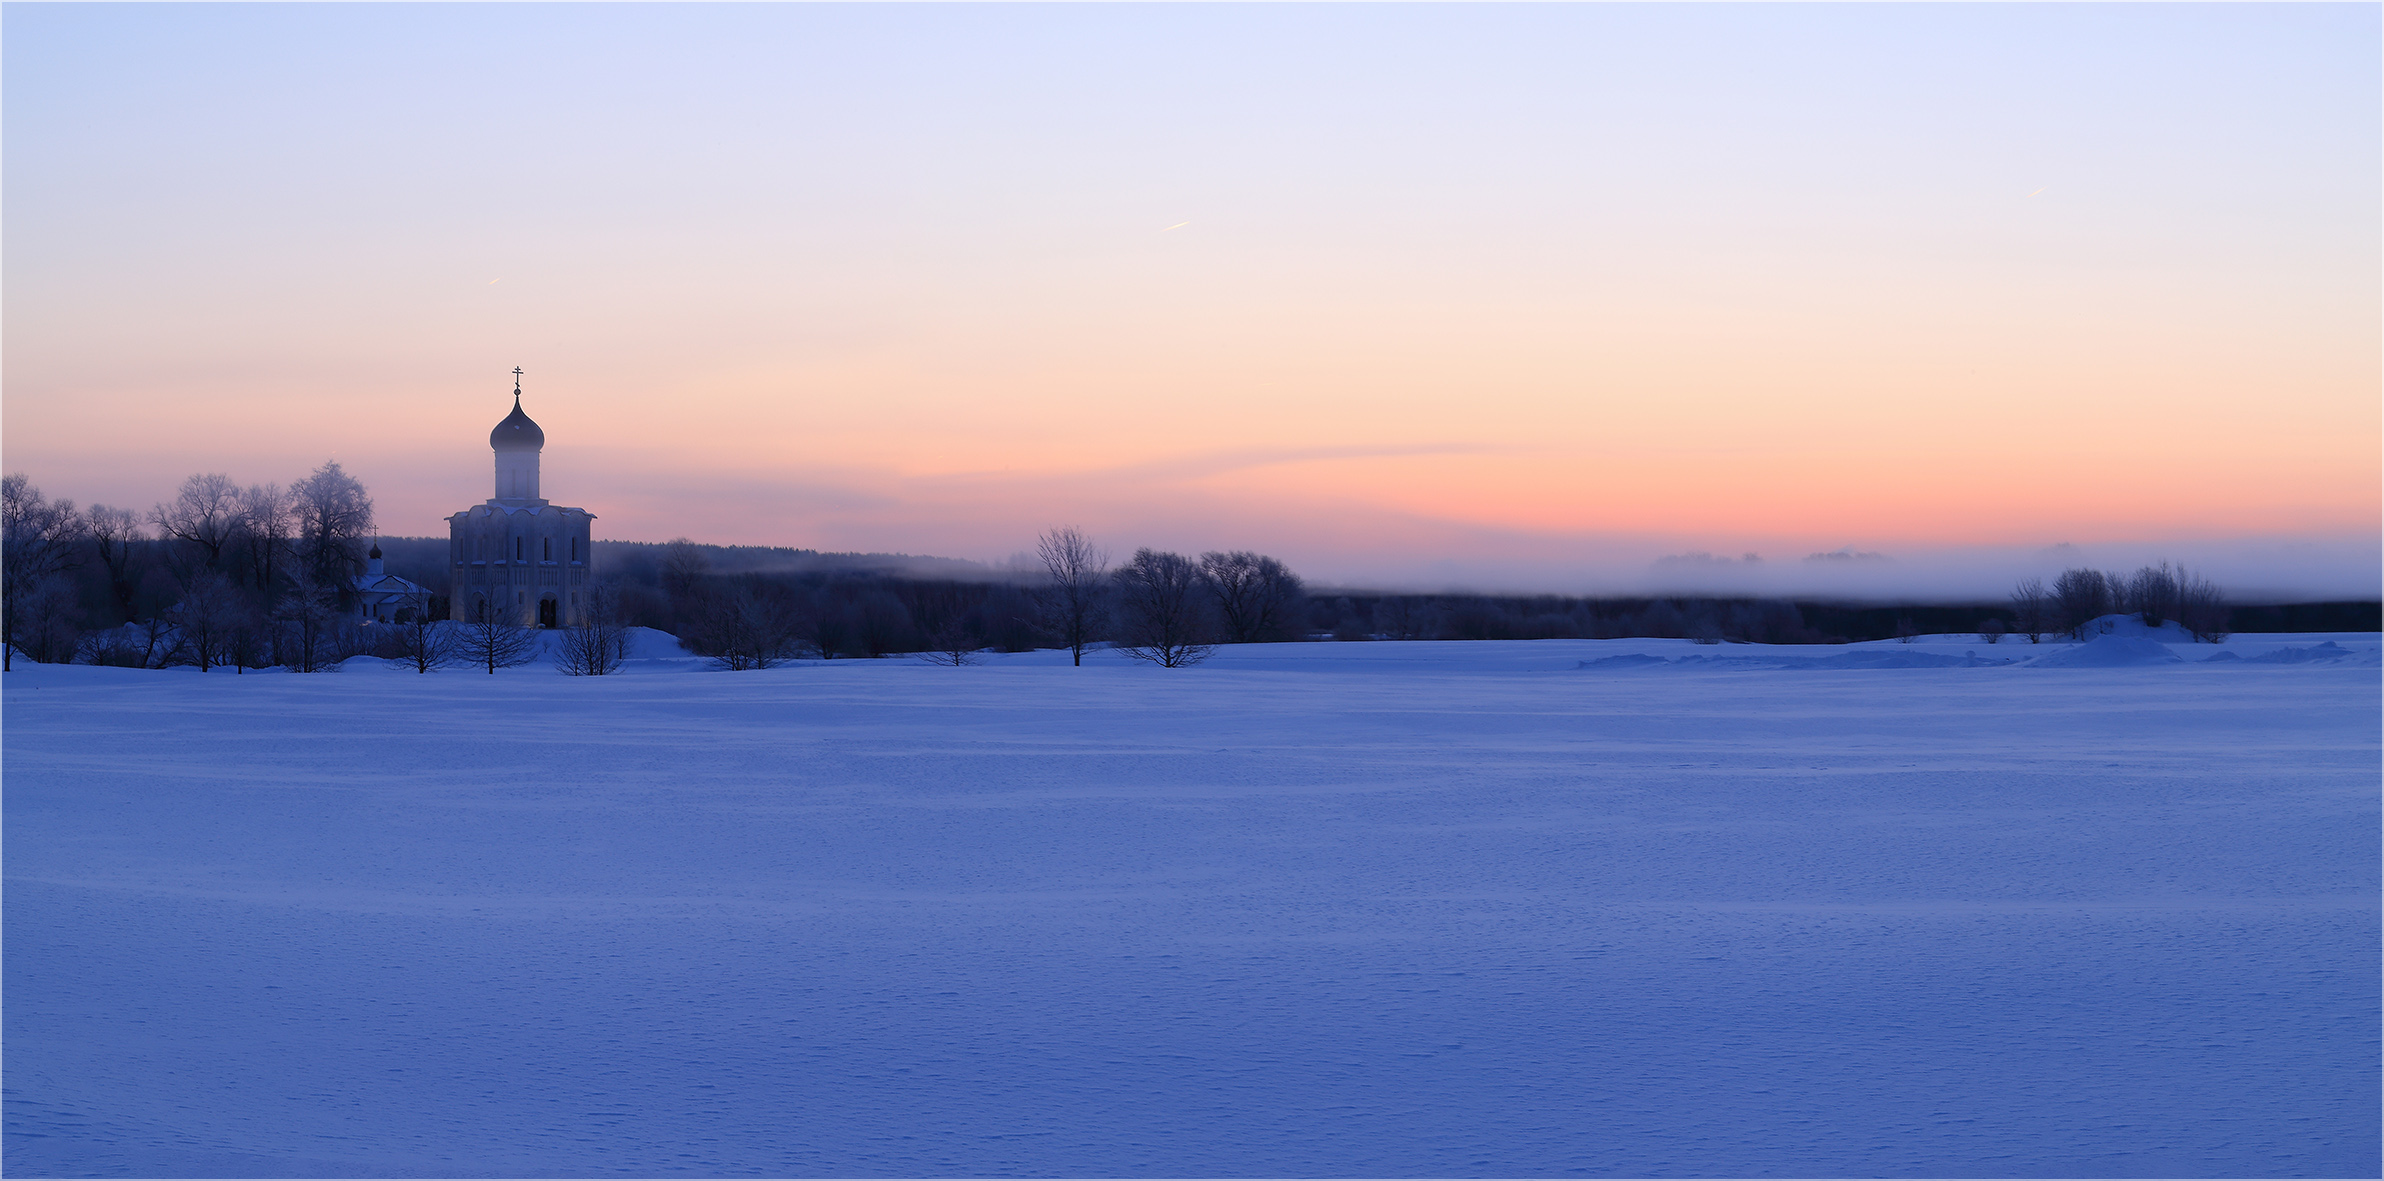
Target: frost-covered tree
1165 610
1071 599
332 517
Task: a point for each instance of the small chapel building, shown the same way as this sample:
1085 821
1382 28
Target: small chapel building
517 558
382 597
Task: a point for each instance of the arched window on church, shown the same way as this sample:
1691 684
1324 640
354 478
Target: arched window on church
517 549
546 549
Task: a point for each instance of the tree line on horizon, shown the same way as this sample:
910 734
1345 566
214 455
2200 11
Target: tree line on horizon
224 575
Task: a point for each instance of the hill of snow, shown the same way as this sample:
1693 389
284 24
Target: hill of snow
1459 909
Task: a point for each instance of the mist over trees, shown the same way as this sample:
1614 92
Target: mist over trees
230 576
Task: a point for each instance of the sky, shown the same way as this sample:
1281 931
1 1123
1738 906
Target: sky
1512 297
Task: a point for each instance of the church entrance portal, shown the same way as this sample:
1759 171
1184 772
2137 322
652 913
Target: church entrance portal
546 612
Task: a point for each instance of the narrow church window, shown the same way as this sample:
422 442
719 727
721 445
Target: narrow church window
517 549
546 549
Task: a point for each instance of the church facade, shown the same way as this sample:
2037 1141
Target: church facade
516 557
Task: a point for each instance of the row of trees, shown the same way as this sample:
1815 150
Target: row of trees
219 575
1158 606
593 647
2158 595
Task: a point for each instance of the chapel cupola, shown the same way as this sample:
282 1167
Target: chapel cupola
517 441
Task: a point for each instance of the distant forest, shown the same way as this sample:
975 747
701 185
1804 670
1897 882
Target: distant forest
888 603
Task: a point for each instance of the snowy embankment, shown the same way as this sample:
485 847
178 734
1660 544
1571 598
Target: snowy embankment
1376 909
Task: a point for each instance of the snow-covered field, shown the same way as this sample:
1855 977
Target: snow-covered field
1512 909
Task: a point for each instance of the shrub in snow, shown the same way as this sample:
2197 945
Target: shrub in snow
490 643
596 645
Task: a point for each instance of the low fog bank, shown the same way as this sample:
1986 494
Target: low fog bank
2249 571
2254 570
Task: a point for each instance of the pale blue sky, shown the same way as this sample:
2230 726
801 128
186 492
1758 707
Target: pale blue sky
904 245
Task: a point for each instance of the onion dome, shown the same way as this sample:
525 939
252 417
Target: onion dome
375 552
517 432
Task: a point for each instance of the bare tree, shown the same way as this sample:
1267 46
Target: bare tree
332 518
1403 617
2201 607
1071 601
951 644
828 626
37 544
2080 596
750 623
1991 630
152 618
1256 595
48 620
116 535
204 516
310 620
684 567
420 644
2152 593
1166 610
112 647
268 520
492 642
940 610
598 642
203 620
249 639
2030 606
882 623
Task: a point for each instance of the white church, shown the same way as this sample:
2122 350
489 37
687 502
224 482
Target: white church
516 557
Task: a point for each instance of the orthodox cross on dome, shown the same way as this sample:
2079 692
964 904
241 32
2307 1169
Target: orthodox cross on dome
517 386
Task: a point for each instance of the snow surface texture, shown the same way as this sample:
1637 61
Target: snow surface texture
1321 909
